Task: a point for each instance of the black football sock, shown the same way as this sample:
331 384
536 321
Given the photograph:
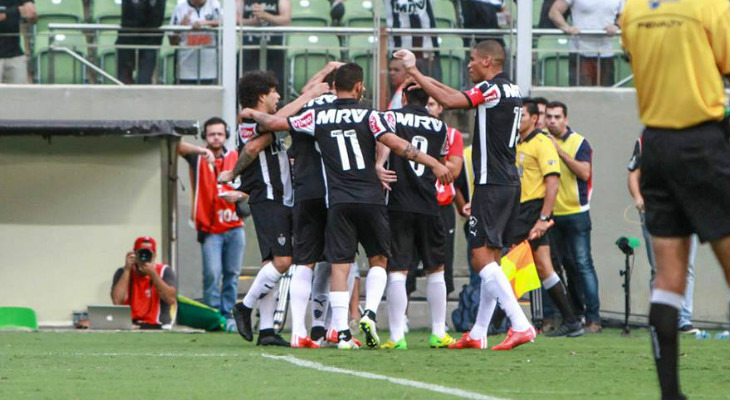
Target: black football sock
560 298
317 332
665 344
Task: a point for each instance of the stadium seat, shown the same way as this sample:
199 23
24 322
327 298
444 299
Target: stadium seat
552 61
106 54
359 14
452 52
18 318
307 54
106 11
58 11
622 66
536 8
310 13
444 13
66 69
362 48
166 63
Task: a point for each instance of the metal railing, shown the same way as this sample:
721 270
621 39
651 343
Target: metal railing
550 65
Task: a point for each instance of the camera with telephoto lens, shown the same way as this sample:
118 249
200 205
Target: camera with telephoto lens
144 255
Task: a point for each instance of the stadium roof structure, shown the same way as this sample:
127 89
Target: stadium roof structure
136 128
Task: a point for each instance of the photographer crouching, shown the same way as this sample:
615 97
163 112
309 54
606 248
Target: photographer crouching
146 286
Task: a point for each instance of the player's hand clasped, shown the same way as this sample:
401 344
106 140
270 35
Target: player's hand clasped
407 56
386 176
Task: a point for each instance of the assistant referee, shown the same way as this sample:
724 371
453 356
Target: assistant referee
679 52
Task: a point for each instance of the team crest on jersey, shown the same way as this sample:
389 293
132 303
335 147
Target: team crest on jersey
281 240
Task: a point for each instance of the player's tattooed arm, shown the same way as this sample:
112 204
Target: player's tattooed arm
406 150
248 154
411 152
267 122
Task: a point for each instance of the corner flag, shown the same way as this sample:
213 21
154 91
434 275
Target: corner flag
519 266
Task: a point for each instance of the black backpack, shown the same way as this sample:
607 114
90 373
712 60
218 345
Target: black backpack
466 313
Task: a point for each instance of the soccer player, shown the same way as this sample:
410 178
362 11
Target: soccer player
346 133
496 199
417 231
539 167
268 184
680 47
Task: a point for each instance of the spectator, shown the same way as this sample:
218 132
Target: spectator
591 58
398 75
545 21
146 286
13 64
197 64
484 14
415 14
685 314
264 13
572 230
138 17
220 230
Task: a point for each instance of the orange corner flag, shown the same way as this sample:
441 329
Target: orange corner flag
519 266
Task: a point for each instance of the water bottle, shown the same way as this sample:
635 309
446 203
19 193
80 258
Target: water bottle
725 335
701 335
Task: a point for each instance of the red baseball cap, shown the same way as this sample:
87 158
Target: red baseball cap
145 239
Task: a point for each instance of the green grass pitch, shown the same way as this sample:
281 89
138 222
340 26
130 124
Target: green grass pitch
173 365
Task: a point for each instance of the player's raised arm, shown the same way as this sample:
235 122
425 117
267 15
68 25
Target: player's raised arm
448 97
295 106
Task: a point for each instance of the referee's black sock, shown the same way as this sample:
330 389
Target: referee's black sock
560 298
663 316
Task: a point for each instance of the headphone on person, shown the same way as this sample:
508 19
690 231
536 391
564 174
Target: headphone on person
215 121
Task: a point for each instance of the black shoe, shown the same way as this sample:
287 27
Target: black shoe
242 316
574 329
272 340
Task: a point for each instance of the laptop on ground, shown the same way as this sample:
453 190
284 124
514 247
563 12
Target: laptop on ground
110 317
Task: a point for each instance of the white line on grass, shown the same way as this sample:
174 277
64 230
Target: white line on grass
398 381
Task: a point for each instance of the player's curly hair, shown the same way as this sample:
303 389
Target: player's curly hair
254 84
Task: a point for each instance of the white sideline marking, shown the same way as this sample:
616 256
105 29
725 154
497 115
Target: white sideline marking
398 381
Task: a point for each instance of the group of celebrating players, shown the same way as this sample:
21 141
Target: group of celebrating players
331 198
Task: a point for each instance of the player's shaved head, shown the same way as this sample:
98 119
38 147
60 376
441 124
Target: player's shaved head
493 49
347 76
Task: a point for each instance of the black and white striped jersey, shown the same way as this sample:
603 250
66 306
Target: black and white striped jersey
269 176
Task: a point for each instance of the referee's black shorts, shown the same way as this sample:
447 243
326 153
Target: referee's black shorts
350 223
520 229
309 220
685 181
494 209
272 221
416 236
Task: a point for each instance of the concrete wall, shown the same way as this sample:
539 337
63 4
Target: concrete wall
71 209
607 118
